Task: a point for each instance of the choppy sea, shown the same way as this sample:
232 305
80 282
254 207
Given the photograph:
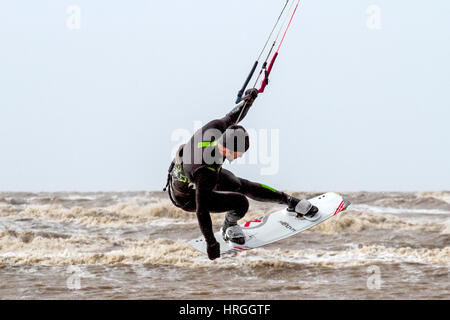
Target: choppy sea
133 245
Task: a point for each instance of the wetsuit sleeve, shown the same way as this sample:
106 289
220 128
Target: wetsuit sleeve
205 181
232 117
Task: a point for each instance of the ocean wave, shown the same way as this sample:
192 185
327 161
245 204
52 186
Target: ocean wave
418 200
355 221
37 249
378 209
163 213
403 200
118 215
446 227
439 195
364 255
33 249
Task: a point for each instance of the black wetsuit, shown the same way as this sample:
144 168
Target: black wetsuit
198 184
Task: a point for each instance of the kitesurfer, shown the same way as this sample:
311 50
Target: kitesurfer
198 183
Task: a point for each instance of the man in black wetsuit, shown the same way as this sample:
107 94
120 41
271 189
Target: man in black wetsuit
198 183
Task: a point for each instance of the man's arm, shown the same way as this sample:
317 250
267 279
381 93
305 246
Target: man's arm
232 117
205 181
240 110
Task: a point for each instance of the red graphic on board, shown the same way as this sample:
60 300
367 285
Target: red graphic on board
247 224
339 209
239 248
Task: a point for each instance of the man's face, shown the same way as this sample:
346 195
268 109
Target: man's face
230 155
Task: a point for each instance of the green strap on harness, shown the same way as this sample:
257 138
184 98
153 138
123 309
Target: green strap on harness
179 175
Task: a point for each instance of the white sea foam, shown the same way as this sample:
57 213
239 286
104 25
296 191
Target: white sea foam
379 209
366 255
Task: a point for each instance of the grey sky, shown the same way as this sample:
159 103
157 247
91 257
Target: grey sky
95 108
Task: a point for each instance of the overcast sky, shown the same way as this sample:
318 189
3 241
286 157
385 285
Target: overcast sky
359 98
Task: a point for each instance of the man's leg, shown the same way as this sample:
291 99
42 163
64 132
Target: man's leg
264 193
237 206
256 191
222 201
234 202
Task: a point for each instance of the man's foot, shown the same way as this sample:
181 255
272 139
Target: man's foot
302 209
233 234
312 214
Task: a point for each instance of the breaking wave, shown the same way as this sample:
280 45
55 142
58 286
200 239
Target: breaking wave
162 212
404 200
39 249
111 216
355 221
39 229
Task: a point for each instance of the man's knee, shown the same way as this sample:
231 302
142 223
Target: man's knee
242 205
247 186
229 182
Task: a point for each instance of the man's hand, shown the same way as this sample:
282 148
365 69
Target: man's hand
213 250
240 110
251 94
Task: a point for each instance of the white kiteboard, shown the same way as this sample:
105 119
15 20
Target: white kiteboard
277 226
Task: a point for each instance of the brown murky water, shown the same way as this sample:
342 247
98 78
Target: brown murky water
133 245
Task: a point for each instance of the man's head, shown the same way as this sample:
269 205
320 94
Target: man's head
234 142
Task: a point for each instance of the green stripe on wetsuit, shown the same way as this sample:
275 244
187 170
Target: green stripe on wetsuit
267 187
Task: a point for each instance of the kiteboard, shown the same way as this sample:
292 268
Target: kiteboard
278 225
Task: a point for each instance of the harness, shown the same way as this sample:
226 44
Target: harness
177 182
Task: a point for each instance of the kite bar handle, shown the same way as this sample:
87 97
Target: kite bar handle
249 77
